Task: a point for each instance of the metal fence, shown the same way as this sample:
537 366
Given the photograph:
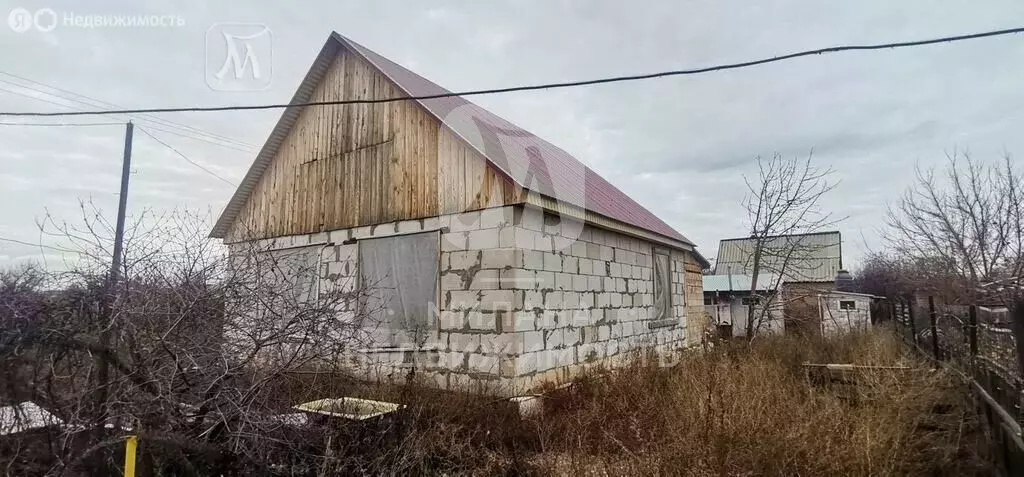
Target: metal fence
980 343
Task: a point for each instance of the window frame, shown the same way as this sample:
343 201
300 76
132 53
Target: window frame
853 305
432 325
670 319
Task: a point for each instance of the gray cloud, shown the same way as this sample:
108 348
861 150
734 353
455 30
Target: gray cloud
679 146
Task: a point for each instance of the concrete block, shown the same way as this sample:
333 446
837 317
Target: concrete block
485 280
593 251
587 300
571 336
594 283
530 217
482 239
465 222
612 348
607 253
548 320
523 238
627 300
586 266
604 300
384 230
506 343
638 272
526 364
533 259
408 226
578 249
451 320
452 281
552 262
338 236
453 241
501 258
524 321
482 321
616 300
582 317
361 232
495 300
532 341
496 217
579 283
570 264
483 364
543 242
615 269
518 279
571 300
620 285
554 300
463 343
553 339
545 280
464 260
533 299
563 281
463 300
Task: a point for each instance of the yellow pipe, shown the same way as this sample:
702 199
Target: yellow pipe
130 446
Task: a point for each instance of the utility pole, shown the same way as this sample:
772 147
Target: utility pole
108 297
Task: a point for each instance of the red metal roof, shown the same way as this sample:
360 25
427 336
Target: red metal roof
530 161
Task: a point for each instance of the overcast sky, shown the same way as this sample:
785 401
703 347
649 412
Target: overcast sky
679 146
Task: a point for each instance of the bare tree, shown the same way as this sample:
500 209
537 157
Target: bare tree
202 344
971 224
783 200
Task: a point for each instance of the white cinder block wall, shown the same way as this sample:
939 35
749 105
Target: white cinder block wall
525 298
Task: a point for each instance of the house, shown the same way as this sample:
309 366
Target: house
801 267
498 257
728 298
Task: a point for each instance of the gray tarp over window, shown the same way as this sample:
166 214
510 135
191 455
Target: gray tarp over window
662 287
399 280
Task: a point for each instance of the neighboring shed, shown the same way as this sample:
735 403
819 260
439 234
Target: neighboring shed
842 312
728 298
807 264
500 258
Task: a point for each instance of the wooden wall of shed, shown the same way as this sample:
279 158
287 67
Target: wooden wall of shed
696 315
350 165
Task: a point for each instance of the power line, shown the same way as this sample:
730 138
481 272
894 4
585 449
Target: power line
61 124
190 161
615 79
100 103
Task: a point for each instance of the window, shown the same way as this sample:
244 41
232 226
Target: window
399 277
662 286
289 277
709 300
750 300
847 305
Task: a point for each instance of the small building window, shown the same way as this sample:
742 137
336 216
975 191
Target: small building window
662 286
750 300
709 300
398 281
847 305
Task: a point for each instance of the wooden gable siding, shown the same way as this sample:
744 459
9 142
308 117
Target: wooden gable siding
351 165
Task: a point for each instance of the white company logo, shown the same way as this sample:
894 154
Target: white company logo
239 57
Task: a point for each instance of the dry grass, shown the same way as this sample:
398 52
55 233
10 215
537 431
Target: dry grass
735 410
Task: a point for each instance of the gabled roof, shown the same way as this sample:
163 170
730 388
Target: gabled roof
526 159
815 257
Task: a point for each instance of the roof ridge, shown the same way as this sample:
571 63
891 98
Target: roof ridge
433 106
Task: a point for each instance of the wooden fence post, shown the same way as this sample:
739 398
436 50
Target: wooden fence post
910 320
933 317
972 327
